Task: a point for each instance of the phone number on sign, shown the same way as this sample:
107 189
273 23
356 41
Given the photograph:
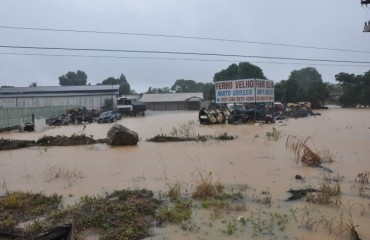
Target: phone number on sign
237 99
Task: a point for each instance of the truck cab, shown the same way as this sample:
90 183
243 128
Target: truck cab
130 106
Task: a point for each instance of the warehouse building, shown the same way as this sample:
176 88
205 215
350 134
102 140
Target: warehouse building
172 101
87 96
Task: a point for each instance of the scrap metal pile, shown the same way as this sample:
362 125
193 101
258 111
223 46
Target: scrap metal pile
74 115
243 113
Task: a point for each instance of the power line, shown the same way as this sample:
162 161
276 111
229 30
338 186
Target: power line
181 53
183 37
174 59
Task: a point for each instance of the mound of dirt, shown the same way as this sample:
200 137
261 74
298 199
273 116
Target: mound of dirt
7 144
65 141
74 140
164 138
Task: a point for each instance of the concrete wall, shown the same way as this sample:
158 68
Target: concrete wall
13 117
172 106
89 102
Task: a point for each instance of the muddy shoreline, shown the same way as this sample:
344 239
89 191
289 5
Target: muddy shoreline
12 144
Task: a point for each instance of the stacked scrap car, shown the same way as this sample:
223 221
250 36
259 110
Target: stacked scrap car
214 114
109 117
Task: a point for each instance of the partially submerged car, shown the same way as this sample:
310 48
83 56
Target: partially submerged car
109 117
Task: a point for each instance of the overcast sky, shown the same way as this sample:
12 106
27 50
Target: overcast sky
334 24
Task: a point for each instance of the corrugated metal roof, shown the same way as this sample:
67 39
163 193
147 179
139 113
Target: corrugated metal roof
172 97
57 90
58 95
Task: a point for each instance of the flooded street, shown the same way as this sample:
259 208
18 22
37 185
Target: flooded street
264 165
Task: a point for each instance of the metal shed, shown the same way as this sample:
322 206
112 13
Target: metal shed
172 101
88 96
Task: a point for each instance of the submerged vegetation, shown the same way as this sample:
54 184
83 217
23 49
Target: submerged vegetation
186 132
306 154
131 214
123 214
362 183
17 207
274 134
303 152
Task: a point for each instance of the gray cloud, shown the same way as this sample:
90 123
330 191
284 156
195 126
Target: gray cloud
330 23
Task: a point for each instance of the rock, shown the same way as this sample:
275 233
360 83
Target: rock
119 135
298 177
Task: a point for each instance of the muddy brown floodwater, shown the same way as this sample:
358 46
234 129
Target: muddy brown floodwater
264 165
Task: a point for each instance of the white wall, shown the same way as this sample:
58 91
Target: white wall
89 102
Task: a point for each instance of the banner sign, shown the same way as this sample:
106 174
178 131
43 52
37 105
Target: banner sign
264 90
245 91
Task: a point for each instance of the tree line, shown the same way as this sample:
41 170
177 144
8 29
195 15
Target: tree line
304 85
79 78
355 89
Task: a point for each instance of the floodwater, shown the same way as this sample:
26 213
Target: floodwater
264 165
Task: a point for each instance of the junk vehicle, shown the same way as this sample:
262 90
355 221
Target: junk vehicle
213 114
28 126
109 117
81 114
131 106
220 113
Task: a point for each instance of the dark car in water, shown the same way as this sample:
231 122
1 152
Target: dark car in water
109 117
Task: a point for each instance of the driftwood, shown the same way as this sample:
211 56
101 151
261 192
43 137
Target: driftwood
300 193
64 232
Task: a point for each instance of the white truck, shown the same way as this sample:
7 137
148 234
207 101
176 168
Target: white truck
131 106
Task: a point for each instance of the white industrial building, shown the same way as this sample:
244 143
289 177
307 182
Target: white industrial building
173 101
87 96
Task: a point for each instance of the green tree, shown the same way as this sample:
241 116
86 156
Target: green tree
124 86
280 91
108 104
185 86
306 85
352 89
335 92
208 90
78 78
241 71
366 89
33 84
152 90
182 85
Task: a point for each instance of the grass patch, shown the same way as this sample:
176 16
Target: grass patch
361 182
75 139
58 172
207 187
185 130
328 191
124 214
345 227
273 135
174 192
165 138
16 207
223 137
303 152
198 138
175 213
